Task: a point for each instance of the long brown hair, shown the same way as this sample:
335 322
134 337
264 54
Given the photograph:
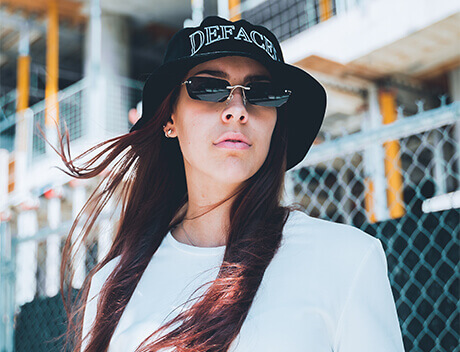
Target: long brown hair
145 172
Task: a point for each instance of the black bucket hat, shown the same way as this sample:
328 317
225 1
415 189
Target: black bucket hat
217 37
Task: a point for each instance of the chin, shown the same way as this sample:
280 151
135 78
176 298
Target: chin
233 173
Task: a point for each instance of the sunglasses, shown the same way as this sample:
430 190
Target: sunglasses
218 90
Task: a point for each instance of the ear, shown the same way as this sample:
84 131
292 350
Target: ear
170 125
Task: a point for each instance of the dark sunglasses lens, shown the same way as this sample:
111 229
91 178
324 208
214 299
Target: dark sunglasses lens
207 89
267 94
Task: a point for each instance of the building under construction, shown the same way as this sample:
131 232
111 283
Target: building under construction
386 159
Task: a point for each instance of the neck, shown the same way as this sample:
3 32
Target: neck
206 224
208 230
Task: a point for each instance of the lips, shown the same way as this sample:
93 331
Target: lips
232 145
234 138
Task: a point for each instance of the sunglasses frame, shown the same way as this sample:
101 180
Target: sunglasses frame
231 88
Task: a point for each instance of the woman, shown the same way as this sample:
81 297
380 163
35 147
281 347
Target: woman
205 258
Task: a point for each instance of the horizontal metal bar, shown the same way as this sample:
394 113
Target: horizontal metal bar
42 234
63 94
408 126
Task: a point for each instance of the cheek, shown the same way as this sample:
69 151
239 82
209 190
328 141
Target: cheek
190 136
270 126
264 130
193 134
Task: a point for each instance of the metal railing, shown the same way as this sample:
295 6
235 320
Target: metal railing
7 119
115 96
290 17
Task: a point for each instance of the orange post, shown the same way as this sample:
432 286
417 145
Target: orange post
23 82
369 200
387 100
325 10
23 79
52 65
234 7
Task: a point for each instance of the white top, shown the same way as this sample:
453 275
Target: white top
326 289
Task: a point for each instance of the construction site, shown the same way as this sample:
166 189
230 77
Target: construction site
386 159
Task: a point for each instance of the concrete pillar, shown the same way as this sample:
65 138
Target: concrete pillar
115 55
223 8
22 150
197 14
53 255
107 42
93 118
52 76
115 31
27 222
78 200
26 252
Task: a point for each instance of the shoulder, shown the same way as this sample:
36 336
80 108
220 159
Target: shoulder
302 229
329 259
338 249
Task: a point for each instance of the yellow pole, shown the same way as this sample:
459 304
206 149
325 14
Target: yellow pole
369 200
52 65
234 7
325 10
23 82
393 167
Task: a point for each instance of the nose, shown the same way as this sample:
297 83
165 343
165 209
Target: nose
235 106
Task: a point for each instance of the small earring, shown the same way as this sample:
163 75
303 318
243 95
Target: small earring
168 133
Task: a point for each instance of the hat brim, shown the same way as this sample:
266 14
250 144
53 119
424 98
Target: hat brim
305 108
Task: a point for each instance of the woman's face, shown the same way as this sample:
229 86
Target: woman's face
199 124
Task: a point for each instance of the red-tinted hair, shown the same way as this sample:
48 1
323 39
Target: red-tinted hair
146 174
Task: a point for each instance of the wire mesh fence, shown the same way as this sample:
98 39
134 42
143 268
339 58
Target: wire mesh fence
340 180
421 243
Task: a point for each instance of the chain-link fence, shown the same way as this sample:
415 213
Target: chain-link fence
397 182
421 240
